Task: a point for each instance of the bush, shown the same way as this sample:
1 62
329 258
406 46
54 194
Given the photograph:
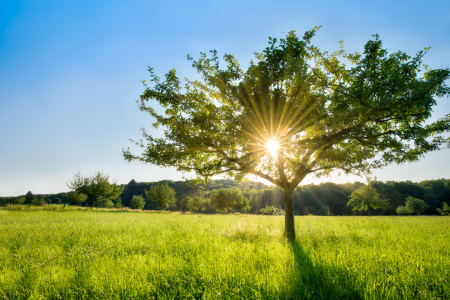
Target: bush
56 200
172 207
117 202
137 202
402 210
39 201
270 210
104 203
415 205
445 209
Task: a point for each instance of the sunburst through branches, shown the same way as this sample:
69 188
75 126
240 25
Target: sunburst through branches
273 147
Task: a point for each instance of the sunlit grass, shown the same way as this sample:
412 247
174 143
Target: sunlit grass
80 254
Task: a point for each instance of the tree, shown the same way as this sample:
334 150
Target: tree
40 201
295 112
76 197
30 197
415 205
402 210
366 198
226 199
137 202
117 202
198 203
12 200
95 187
271 210
104 203
162 194
445 209
56 200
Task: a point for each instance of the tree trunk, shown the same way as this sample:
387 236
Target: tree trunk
289 228
370 212
64 206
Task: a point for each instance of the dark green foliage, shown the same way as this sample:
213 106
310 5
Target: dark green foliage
39 200
95 187
77 197
104 203
4 201
366 198
317 199
445 209
403 210
226 199
415 205
137 202
29 196
161 194
271 210
56 200
117 202
198 203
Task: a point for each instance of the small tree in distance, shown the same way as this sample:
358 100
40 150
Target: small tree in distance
14 200
415 205
366 198
198 203
227 199
96 187
117 202
445 209
76 197
161 194
104 203
30 197
403 210
137 202
39 201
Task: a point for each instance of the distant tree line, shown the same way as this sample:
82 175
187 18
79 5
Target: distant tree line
228 196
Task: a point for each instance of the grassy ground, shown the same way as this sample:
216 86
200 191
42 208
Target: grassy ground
76 254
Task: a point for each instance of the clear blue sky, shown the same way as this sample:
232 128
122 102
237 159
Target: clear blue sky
70 72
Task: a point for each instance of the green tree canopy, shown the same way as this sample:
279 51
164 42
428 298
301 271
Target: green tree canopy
366 198
402 210
161 194
12 200
227 199
76 197
198 203
104 203
39 200
415 205
137 202
117 202
95 187
445 209
296 111
29 196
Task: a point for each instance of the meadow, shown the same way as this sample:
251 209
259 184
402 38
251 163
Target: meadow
83 254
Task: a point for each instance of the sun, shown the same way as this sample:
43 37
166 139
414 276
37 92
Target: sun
272 147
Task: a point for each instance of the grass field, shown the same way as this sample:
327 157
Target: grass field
46 254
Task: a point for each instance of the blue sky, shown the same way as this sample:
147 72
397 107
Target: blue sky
70 72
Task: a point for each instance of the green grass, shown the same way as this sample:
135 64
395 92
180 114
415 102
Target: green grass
80 254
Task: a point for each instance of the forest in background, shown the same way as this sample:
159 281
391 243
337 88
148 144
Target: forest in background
314 199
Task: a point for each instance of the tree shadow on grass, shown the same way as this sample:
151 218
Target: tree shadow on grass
310 279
